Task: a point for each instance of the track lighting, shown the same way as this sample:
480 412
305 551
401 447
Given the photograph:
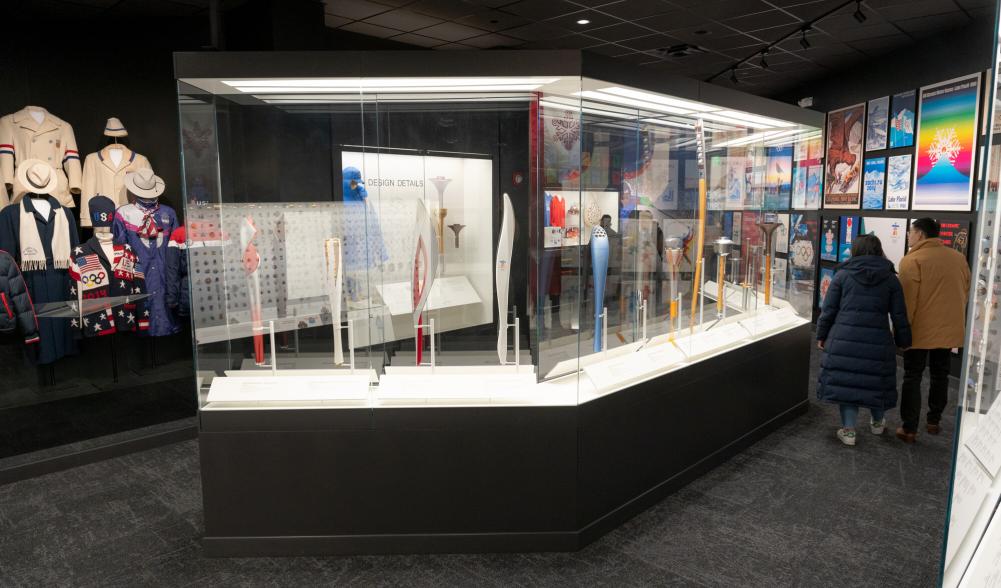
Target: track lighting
764 64
803 42
858 14
733 75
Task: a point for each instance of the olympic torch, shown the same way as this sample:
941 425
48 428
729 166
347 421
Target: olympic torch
700 156
768 227
674 252
251 262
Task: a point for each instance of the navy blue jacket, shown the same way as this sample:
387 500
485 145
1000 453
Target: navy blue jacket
859 362
16 310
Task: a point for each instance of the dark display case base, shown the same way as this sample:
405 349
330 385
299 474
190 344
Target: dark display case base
486 479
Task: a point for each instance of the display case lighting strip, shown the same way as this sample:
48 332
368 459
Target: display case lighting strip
385 84
764 120
384 89
659 99
632 102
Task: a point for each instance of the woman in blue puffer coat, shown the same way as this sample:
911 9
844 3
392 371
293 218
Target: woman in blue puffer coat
858 366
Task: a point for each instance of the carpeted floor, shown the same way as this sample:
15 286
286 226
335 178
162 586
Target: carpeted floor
795 509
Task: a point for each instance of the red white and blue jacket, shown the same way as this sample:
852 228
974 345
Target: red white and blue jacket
94 276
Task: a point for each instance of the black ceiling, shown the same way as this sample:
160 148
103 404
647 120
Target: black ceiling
717 33
638 31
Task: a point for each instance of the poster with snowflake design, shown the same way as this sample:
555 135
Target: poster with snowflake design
946 145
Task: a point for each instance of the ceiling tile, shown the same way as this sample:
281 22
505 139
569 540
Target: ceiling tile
454 47
355 9
419 40
638 58
541 10
333 21
859 31
492 40
917 8
450 31
727 9
493 20
445 9
676 19
926 25
700 33
634 9
619 32
566 42
650 42
537 31
808 10
403 20
976 3
731 42
880 45
761 20
364 28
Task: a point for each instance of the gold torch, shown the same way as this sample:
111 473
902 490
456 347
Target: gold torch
674 252
768 226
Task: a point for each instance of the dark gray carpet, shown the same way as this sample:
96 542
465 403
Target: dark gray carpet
795 509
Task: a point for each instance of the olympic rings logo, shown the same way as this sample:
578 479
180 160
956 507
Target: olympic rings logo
97 278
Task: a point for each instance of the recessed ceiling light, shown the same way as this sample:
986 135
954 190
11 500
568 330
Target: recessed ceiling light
583 21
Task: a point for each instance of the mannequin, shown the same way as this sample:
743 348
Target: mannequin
41 204
33 133
102 270
104 170
42 236
144 228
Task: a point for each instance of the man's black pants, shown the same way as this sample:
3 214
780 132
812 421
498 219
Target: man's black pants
915 360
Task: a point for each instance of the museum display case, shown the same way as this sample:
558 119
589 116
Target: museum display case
444 301
971 550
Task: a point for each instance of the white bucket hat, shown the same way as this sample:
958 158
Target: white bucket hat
37 177
144 183
115 128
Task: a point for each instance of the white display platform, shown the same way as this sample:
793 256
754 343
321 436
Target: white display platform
424 388
574 363
628 370
289 389
445 293
308 362
372 375
473 370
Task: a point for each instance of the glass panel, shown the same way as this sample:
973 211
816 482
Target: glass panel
970 550
543 240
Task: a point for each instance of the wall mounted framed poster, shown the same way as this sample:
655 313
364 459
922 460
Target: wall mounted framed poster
946 145
898 182
876 123
814 175
849 231
902 119
778 178
829 239
892 233
955 233
874 183
826 277
799 187
843 174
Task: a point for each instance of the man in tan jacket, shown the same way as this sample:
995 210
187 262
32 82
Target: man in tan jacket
936 282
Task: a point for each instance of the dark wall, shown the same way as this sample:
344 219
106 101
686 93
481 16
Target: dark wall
940 57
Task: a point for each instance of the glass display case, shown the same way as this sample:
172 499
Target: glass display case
388 241
478 259
972 545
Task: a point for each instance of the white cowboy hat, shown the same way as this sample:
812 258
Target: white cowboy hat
115 128
37 177
144 183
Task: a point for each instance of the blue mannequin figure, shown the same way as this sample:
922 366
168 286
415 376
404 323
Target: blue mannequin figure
599 270
363 244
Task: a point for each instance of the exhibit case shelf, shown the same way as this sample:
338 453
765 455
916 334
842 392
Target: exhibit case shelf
456 301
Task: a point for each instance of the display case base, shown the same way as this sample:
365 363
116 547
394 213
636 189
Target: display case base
486 479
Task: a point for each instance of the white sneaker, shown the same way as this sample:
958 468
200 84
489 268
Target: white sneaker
847 436
877 427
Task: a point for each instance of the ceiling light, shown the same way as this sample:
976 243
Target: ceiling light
660 99
859 15
583 21
803 42
754 118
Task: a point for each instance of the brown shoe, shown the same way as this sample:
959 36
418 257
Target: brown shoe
934 429
906 436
